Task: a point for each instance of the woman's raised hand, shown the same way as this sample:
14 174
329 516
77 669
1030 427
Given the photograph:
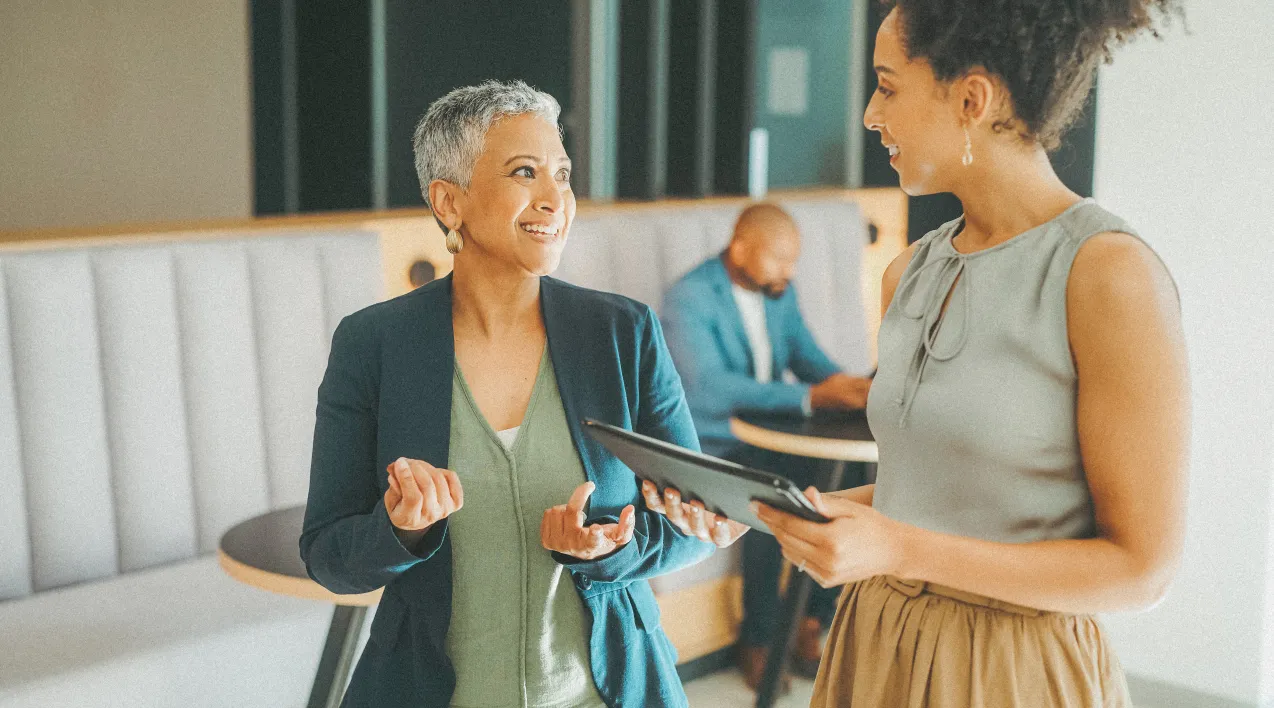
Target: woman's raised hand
562 528
420 495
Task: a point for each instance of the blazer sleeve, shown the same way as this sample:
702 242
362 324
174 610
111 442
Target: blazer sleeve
657 546
347 542
717 391
809 362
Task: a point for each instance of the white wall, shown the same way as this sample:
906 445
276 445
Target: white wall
1185 151
123 111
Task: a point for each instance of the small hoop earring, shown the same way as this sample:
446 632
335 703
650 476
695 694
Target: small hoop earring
968 149
455 242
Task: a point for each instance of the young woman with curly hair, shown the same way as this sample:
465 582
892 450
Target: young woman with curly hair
1031 404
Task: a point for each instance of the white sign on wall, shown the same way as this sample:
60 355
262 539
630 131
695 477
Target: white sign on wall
788 93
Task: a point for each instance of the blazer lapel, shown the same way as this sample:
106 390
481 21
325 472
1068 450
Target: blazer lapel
418 357
569 347
425 354
775 326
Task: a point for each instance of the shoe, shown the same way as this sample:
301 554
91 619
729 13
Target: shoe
752 665
808 651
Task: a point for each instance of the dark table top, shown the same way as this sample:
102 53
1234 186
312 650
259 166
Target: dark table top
837 425
269 542
263 552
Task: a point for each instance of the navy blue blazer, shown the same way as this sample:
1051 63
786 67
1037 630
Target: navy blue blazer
711 350
387 394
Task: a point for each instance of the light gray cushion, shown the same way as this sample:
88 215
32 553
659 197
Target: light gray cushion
15 540
152 396
145 404
829 279
178 635
61 418
292 339
352 275
223 387
640 253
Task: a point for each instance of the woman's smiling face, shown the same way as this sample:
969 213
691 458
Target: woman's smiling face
917 117
519 205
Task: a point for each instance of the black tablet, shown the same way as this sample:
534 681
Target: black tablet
723 487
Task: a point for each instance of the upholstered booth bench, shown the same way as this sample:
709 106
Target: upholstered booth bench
157 389
151 396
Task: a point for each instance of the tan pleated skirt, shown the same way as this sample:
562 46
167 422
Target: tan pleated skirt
915 645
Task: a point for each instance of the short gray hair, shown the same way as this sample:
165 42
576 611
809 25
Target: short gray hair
452 133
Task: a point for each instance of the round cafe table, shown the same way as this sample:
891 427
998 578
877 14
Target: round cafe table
841 437
262 552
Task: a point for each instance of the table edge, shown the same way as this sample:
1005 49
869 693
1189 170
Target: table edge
291 586
805 446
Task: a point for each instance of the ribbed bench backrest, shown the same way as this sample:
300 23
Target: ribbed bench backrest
641 252
152 396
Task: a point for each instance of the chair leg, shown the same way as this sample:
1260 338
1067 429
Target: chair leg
795 600
338 657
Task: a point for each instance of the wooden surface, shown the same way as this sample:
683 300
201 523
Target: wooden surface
838 436
704 617
263 552
887 209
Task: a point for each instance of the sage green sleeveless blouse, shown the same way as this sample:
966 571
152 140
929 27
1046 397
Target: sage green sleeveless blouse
974 410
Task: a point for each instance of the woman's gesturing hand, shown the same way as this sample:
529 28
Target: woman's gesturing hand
563 530
693 518
420 495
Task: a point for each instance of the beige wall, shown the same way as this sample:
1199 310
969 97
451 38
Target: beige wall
123 111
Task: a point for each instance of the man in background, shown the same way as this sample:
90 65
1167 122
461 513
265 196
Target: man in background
733 327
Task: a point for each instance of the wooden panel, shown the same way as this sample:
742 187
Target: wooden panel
703 618
403 241
887 210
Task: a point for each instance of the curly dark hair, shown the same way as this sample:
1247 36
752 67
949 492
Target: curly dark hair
1045 51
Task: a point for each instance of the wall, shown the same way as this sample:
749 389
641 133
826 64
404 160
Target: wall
1184 151
133 110
809 148
434 47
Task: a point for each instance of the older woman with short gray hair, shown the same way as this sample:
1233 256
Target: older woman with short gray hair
449 462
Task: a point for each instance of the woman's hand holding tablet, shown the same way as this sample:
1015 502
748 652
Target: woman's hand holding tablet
720 492
691 517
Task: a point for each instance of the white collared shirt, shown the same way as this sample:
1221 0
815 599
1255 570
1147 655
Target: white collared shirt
752 310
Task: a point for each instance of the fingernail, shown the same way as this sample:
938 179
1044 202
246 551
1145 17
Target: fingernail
756 508
401 464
